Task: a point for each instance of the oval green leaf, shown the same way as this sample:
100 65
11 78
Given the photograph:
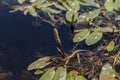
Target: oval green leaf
89 3
93 38
109 5
93 14
48 75
80 78
70 78
38 2
72 74
60 74
111 46
103 29
40 63
81 35
57 5
50 10
117 4
107 73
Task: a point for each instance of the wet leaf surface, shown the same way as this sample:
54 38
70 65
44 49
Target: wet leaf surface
81 35
93 38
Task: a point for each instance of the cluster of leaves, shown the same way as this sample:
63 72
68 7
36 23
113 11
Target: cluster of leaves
96 20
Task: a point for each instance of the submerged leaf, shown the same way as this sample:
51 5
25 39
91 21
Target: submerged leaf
109 5
48 75
93 38
111 46
40 63
81 35
107 73
60 74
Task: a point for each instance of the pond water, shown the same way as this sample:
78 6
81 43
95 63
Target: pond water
21 42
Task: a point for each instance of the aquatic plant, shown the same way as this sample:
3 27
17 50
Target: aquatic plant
90 21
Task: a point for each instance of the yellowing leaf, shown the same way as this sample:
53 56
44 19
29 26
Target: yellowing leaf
111 46
38 72
109 5
103 29
40 63
81 35
60 74
48 75
107 73
93 38
72 74
21 1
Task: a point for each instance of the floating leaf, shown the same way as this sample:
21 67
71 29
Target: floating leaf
70 78
111 46
117 4
81 35
40 63
82 17
38 2
32 0
109 5
89 3
93 38
60 74
70 14
21 1
47 4
74 5
48 75
59 6
50 10
80 78
89 15
32 11
103 29
93 14
38 72
72 74
107 73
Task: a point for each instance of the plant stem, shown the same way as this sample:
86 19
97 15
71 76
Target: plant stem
58 41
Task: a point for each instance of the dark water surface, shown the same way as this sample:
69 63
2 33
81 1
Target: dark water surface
21 42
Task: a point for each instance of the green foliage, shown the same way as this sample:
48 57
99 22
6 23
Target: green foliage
96 21
93 38
107 73
40 63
